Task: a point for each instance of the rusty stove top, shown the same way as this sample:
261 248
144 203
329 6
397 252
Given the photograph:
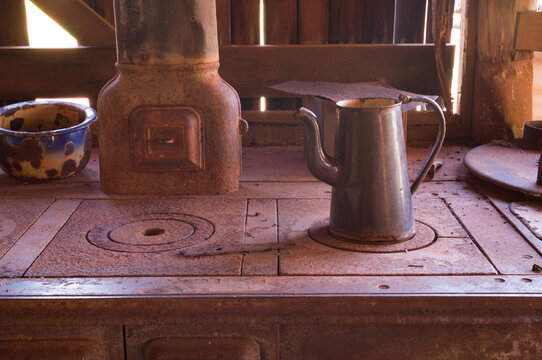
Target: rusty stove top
56 236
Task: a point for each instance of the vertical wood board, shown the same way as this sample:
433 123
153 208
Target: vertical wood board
223 19
378 21
409 21
13 19
345 21
280 21
245 21
313 21
496 28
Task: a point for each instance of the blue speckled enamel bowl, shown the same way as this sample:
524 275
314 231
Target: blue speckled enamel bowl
44 140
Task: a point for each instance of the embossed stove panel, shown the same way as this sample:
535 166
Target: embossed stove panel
142 237
166 138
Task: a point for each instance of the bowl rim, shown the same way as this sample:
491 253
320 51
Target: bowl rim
90 118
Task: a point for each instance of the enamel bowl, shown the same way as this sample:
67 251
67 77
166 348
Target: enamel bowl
44 140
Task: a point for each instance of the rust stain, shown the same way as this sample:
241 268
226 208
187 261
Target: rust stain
30 150
69 148
58 118
16 124
51 172
68 167
17 166
15 109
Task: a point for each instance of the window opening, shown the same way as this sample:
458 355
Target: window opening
44 32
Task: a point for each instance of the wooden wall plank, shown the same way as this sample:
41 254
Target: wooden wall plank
529 31
345 21
408 67
245 29
72 72
280 21
313 21
245 26
223 19
13 19
378 20
80 20
409 21
281 28
80 71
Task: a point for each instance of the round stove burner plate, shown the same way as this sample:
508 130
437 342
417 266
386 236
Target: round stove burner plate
513 167
151 233
425 236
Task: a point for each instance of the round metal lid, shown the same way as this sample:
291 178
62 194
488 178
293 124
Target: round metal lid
425 236
510 166
151 233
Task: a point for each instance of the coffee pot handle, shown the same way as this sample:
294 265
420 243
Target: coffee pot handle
438 142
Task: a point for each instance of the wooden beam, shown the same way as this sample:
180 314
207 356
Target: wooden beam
80 20
71 72
529 29
406 67
80 71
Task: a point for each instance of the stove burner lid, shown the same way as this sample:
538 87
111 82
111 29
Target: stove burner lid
151 233
425 236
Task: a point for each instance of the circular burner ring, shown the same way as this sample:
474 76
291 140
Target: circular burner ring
172 232
425 236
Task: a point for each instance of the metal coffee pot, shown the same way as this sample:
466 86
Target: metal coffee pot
371 197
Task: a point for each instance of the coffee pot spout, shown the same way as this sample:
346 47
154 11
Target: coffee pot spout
323 166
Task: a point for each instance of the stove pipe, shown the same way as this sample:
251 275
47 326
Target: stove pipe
169 124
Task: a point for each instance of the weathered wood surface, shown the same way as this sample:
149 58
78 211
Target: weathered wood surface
77 72
503 79
83 71
345 17
378 21
407 67
313 21
529 29
496 23
409 21
245 17
270 128
223 19
13 19
280 21
80 20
